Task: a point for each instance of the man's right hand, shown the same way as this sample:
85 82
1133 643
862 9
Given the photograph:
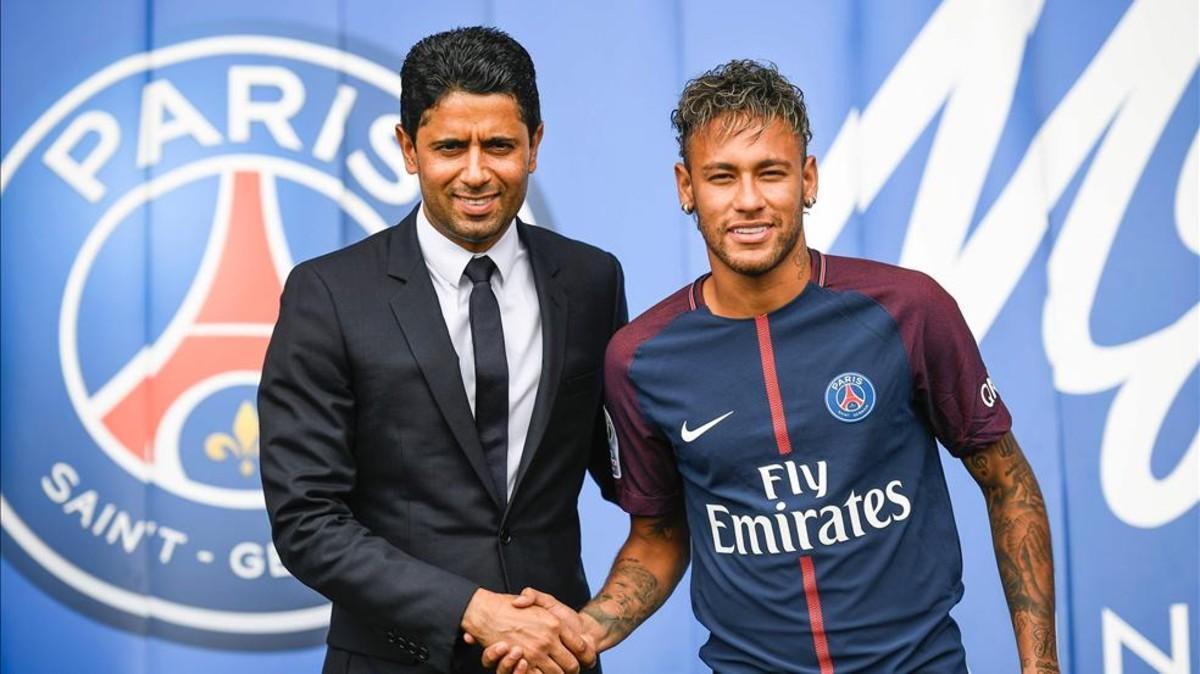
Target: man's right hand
544 640
507 659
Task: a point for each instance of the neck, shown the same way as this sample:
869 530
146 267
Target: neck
732 295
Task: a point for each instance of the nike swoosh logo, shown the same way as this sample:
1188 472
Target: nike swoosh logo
689 435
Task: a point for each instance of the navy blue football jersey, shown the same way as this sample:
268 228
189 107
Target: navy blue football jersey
801 445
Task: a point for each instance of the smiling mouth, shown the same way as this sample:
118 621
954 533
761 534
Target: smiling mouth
477 205
750 233
748 230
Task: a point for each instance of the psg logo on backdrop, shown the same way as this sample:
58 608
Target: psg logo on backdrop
850 397
152 213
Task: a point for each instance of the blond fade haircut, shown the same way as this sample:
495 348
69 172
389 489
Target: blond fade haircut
742 94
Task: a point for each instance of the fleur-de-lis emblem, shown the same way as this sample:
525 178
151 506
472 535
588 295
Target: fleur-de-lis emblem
242 445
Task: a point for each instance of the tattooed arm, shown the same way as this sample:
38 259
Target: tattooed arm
646 570
1021 538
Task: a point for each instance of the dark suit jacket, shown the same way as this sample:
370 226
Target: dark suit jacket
376 484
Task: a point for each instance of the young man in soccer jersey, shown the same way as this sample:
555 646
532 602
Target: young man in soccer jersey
776 423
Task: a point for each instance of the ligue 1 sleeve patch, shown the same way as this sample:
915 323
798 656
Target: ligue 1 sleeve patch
850 397
614 447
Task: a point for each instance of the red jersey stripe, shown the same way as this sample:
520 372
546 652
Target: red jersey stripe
774 399
808 572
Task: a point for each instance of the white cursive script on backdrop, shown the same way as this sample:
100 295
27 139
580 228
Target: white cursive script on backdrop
965 63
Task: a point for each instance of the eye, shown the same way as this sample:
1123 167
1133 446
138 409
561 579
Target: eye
720 178
449 147
500 147
774 174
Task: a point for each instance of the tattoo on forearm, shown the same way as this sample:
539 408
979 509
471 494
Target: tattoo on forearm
635 596
1021 538
632 592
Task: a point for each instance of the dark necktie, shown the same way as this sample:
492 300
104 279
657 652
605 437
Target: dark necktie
491 371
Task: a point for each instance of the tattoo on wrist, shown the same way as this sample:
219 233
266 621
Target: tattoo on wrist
634 597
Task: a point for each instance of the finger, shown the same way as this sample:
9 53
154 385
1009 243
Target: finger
588 658
548 663
468 638
524 600
511 662
522 667
493 654
574 643
540 598
565 659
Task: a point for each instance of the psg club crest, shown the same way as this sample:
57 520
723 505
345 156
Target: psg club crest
850 397
151 215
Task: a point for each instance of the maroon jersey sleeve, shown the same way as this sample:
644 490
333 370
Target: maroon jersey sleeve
643 461
950 382
951 387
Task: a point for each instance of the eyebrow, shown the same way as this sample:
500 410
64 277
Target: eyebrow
454 141
726 166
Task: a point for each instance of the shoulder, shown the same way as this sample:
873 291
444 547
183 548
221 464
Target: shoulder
640 330
904 293
366 257
570 253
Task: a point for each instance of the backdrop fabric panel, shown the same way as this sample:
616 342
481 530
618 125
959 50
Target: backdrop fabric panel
165 164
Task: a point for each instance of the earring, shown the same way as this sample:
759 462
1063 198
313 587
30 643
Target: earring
686 208
809 203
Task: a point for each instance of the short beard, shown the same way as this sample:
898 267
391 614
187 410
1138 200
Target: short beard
755 269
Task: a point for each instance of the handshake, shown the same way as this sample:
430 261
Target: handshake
530 632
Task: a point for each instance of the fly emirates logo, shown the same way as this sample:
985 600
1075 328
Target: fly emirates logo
801 530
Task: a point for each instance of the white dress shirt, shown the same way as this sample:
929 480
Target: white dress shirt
520 315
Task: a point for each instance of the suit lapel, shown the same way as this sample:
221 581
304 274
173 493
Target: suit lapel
552 302
417 311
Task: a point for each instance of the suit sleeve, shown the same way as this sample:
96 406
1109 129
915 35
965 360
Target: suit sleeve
307 409
951 383
600 465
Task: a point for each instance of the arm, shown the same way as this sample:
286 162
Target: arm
600 461
1021 538
307 411
645 572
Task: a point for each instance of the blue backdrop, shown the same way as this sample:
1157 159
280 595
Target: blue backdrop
165 163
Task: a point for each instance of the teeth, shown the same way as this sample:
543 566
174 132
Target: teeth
750 230
476 202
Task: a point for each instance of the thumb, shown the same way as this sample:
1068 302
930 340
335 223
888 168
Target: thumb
527 598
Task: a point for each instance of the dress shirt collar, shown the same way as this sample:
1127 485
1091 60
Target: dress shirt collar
448 260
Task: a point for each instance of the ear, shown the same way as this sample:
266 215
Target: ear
683 184
409 148
534 143
810 179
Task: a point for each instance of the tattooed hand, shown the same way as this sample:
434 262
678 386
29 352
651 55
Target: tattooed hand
1021 539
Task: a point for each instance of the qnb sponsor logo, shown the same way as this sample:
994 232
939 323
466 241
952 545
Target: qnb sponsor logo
804 529
988 393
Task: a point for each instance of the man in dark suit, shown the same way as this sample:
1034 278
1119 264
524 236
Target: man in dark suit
431 397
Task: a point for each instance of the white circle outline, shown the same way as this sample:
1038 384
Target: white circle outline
81 400
278 622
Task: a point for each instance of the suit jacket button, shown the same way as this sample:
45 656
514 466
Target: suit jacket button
505 536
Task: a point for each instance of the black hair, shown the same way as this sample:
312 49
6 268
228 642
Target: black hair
475 60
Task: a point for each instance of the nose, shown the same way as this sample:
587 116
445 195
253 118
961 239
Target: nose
475 173
748 197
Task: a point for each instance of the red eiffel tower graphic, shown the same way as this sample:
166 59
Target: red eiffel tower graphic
229 332
850 399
